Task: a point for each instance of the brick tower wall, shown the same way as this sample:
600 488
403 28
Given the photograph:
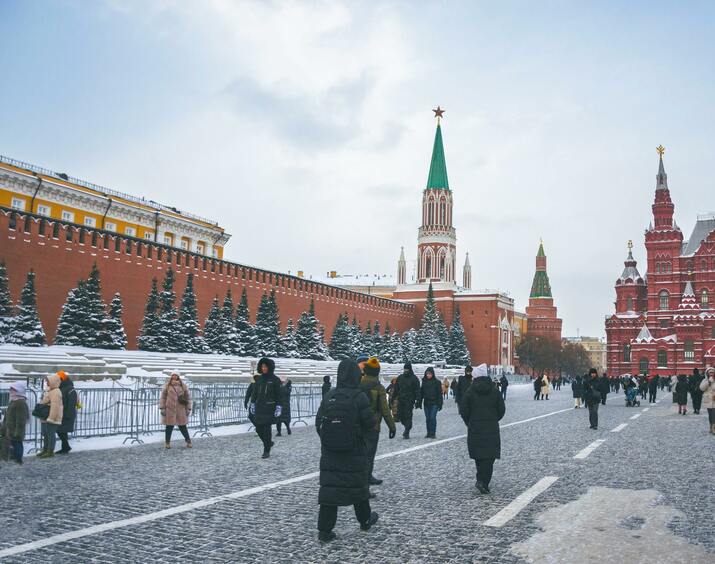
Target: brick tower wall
62 253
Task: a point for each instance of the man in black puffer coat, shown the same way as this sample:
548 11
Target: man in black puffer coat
265 402
432 399
408 397
69 412
463 383
482 408
343 418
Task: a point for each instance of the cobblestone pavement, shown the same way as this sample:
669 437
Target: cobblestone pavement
644 494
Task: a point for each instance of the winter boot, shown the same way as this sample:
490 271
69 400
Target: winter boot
374 481
289 431
47 454
712 429
266 453
278 434
167 445
188 443
42 454
370 522
326 536
482 488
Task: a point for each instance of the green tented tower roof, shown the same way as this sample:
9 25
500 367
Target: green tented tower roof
540 287
438 167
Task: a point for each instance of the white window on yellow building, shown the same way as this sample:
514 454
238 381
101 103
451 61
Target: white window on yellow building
131 231
44 210
168 239
214 252
67 216
90 222
110 226
200 248
18 204
149 235
185 244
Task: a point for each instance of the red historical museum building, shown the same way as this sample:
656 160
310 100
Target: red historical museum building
664 322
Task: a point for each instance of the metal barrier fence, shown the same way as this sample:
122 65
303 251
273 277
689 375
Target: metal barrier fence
135 413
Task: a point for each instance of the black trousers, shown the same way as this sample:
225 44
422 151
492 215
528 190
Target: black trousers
64 439
170 429
652 393
603 398
371 440
328 515
286 423
405 410
593 414
485 469
697 398
265 433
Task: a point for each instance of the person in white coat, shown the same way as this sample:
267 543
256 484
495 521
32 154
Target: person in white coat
707 386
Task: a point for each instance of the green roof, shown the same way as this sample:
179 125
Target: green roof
438 167
540 287
541 252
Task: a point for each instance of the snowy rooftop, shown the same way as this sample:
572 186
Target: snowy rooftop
336 279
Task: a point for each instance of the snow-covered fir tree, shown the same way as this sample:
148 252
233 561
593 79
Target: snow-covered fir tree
214 328
429 344
384 351
289 344
323 350
170 338
341 340
113 334
396 353
148 339
442 333
355 338
458 353
229 322
26 327
268 327
307 335
188 322
5 304
409 346
367 343
93 311
376 340
245 332
70 326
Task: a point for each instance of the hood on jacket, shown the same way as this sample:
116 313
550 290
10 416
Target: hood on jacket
709 371
326 379
267 361
483 385
348 374
430 370
18 390
53 381
682 377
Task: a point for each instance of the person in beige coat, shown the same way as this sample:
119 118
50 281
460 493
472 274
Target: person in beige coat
49 426
175 405
707 386
544 387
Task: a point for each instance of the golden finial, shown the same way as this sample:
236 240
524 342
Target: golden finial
660 150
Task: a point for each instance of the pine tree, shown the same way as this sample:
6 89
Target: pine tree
442 333
367 342
458 353
169 338
245 333
6 310
93 311
323 350
429 344
70 326
384 351
189 328
340 341
355 338
113 335
409 346
149 335
289 343
267 327
307 335
397 354
214 328
229 321
376 340
26 327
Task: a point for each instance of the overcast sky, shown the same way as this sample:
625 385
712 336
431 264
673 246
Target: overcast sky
305 128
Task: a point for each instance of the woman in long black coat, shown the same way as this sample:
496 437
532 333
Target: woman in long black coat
343 474
681 394
482 409
69 412
284 419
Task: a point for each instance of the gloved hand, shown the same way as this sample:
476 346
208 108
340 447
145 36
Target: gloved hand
278 411
393 432
252 409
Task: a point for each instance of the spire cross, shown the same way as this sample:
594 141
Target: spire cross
660 150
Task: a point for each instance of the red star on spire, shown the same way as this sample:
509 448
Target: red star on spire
438 112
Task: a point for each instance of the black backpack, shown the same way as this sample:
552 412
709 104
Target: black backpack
339 430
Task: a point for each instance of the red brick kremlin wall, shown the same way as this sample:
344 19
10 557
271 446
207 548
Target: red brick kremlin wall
64 254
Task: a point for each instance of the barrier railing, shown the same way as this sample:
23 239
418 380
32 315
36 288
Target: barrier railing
135 412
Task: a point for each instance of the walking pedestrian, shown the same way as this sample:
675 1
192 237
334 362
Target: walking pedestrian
593 397
343 418
453 388
604 387
16 416
408 397
431 401
696 396
49 425
481 410
463 383
653 388
377 396
445 388
284 418
707 386
503 385
537 387
576 391
326 385
681 394
643 386
69 411
544 387
175 405
392 397
265 402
